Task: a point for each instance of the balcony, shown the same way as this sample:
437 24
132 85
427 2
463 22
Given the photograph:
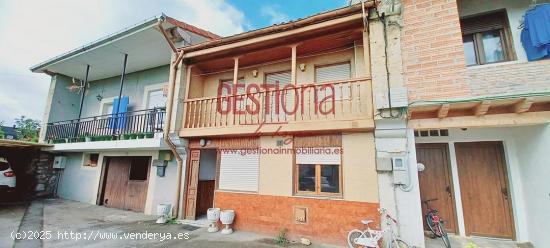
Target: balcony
331 106
142 124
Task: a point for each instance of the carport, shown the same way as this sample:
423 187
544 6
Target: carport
32 166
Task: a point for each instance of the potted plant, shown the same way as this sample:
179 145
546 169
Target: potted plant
149 135
140 135
126 136
133 136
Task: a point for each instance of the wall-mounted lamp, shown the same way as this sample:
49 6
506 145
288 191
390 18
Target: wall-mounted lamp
202 142
255 73
302 67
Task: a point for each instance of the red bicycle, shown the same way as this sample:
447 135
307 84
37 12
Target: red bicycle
435 223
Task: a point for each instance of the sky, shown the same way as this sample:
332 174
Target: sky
32 31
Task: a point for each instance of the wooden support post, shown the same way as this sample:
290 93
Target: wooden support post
293 66
523 105
186 107
482 108
443 110
235 81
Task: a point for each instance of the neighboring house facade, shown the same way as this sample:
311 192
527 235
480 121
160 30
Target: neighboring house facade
117 162
480 111
9 132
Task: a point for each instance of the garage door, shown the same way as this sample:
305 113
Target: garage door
238 172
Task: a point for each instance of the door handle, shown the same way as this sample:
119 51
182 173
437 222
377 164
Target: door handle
448 189
505 193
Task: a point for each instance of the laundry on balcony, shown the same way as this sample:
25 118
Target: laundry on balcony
535 35
118 116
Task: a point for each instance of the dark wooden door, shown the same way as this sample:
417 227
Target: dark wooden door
435 182
191 201
484 189
118 169
205 196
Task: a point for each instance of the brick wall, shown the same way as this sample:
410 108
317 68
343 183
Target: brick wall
329 221
432 50
509 78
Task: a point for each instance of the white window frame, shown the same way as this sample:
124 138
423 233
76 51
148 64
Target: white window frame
148 89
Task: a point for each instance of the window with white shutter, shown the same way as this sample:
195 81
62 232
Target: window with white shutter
239 172
229 91
281 79
333 73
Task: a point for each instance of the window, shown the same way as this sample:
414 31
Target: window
90 159
139 168
318 171
156 99
486 39
239 171
225 91
318 178
333 73
282 79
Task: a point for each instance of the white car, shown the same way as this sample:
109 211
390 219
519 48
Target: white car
7 175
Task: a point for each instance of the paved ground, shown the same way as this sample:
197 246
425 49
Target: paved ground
464 242
10 218
96 226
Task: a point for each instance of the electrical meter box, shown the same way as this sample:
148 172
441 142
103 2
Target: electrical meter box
59 162
400 170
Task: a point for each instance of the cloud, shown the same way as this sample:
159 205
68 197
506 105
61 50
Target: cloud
33 31
272 12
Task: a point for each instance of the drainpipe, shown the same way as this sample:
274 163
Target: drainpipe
166 131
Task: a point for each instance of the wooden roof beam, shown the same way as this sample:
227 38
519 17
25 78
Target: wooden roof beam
523 105
443 110
482 108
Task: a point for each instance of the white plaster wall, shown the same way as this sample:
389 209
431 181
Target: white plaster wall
79 183
162 189
515 10
527 155
533 153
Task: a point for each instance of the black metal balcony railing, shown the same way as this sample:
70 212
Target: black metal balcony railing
127 125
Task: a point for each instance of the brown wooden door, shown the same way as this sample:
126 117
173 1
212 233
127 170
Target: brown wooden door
484 189
191 201
136 191
435 182
118 169
205 196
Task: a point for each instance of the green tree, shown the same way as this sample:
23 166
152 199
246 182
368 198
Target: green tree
2 134
27 129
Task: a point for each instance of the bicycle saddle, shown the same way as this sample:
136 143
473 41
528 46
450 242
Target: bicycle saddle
366 222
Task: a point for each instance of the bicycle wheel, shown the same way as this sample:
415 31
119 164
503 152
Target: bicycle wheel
352 235
444 235
431 225
397 243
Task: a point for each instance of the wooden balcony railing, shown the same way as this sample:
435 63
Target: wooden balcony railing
132 124
352 99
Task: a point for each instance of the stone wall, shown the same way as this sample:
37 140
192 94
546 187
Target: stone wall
45 177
